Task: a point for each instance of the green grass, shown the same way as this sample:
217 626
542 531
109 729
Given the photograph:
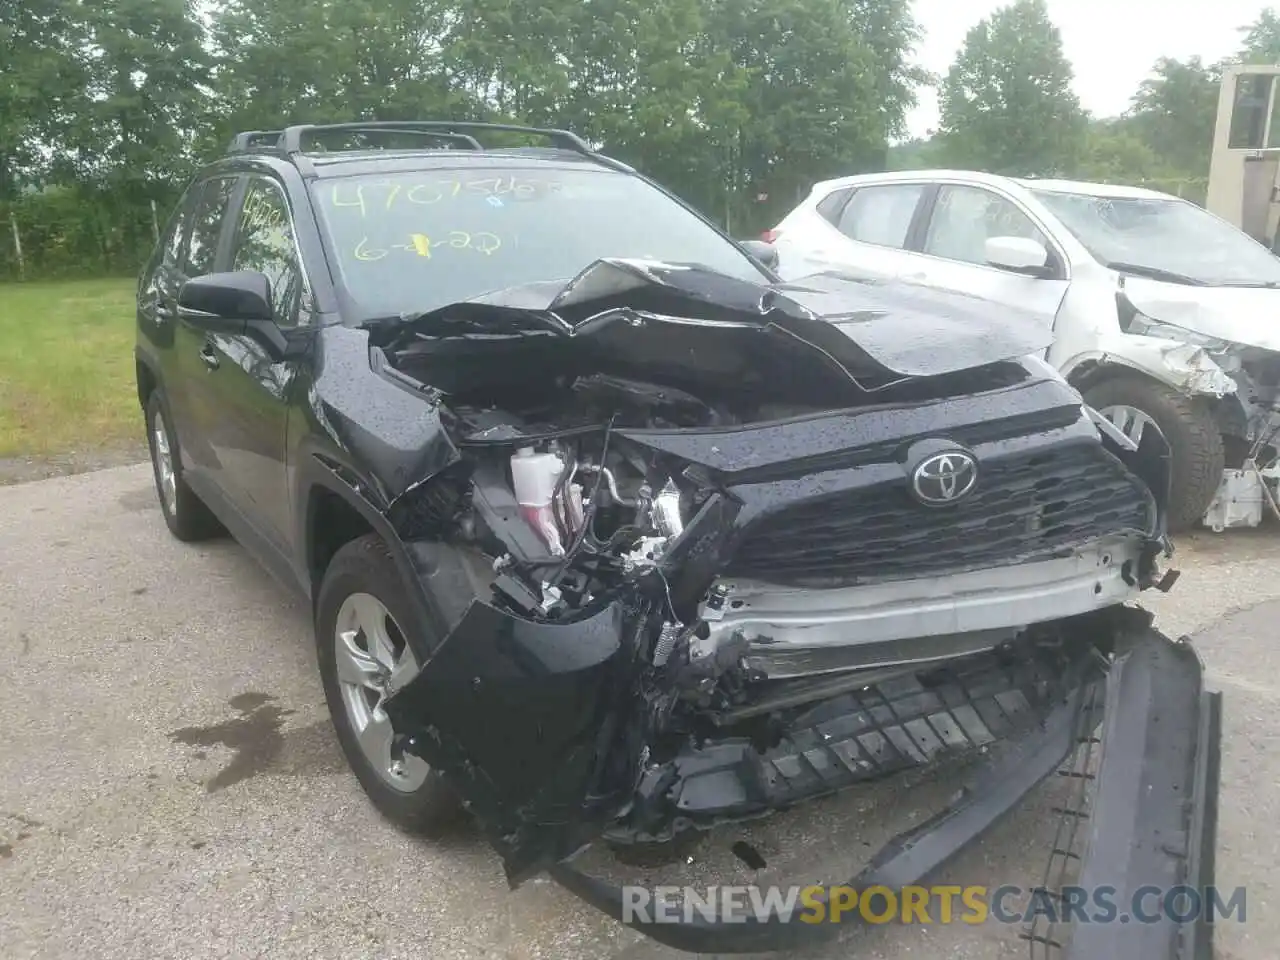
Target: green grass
66 367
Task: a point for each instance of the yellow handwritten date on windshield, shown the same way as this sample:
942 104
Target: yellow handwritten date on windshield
426 247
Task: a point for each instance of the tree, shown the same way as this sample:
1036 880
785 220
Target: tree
146 92
513 55
1174 112
1262 39
1114 153
808 110
42 83
724 101
1007 104
736 105
328 61
637 82
918 153
889 30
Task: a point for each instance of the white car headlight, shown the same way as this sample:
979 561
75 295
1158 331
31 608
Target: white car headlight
1145 326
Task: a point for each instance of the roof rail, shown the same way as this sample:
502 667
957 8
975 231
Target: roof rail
387 126
258 139
250 139
291 140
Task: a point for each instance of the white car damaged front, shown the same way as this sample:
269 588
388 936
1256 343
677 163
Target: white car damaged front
1162 314
1220 344
1169 322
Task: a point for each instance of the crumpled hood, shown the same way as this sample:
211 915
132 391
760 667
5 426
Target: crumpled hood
1244 315
880 327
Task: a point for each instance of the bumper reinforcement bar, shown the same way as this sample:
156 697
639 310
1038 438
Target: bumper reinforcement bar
1159 773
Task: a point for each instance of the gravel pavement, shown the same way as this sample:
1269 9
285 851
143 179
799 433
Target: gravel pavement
170 786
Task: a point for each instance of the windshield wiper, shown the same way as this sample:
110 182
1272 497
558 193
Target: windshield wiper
1154 273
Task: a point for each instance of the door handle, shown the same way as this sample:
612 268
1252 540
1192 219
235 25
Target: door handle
209 356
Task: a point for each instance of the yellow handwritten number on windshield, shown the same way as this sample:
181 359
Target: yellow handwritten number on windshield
363 252
357 202
387 194
415 195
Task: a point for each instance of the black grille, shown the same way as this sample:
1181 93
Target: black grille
1025 508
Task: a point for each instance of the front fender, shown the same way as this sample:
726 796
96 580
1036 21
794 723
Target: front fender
1184 367
433 573
374 417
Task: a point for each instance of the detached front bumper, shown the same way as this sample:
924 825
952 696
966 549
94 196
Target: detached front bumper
1153 819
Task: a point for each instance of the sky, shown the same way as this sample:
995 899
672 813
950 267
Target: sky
1110 43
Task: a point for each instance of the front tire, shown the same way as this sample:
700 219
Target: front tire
359 643
185 514
1187 423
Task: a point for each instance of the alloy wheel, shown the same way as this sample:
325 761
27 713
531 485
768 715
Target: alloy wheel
369 649
162 460
1130 421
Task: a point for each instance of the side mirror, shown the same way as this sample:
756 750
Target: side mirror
226 302
765 253
235 304
1019 254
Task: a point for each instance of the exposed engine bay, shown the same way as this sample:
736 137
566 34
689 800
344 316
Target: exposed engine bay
578 427
696 531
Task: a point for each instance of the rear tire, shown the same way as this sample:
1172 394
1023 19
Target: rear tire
421 802
1187 423
185 514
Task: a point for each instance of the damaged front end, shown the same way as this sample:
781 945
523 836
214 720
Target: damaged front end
1219 346
709 549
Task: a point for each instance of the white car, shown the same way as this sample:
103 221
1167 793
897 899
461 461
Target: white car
1163 314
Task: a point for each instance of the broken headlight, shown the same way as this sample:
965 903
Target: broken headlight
1144 326
1133 320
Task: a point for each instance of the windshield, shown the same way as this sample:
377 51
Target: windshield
1172 238
409 243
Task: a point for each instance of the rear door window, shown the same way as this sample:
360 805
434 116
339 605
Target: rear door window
829 206
881 215
206 227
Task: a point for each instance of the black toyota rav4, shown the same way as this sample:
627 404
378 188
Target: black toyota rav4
611 536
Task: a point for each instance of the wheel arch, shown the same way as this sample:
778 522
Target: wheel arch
333 512
332 522
1190 423
1086 372
1182 367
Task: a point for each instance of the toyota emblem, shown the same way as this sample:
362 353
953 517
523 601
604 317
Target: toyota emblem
944 478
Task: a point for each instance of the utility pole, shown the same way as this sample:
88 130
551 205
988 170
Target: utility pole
17 246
